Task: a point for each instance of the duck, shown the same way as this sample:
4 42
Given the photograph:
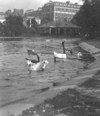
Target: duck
36 66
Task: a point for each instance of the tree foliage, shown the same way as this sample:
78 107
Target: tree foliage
34 24
28 23
1 29
14 25
89 18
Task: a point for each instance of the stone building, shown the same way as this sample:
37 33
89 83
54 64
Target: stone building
31 14
53 11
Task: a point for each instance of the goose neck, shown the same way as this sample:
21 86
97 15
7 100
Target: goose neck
63 45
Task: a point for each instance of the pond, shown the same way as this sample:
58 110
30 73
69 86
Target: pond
17 86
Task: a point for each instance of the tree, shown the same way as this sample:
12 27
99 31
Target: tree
34 25
28 23
14 25
89 18
1 29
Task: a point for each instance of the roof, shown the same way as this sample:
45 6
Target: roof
50 24
60 24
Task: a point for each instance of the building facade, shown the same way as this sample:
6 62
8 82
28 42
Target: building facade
53 11
31 14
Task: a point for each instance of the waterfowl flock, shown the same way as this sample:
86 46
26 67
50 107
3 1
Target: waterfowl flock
37 65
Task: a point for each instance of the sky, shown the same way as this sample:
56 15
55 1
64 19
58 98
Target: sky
27 4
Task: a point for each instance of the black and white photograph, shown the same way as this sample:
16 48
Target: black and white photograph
49 57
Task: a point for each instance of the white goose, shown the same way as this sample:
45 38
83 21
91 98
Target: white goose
60 55
38 66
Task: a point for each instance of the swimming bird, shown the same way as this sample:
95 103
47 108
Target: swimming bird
59 56
38 66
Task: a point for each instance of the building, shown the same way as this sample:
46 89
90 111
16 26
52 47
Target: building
60 28
2 17
53 11
31 14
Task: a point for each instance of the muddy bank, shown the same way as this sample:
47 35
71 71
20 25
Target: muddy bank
67 103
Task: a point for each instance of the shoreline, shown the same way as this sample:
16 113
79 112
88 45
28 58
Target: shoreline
71 89
53 92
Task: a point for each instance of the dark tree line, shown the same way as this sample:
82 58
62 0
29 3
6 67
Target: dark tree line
14 26
89 18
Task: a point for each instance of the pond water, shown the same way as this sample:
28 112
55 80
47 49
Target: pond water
17 86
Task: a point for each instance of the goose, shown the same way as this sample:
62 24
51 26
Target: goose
38 66
59 56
